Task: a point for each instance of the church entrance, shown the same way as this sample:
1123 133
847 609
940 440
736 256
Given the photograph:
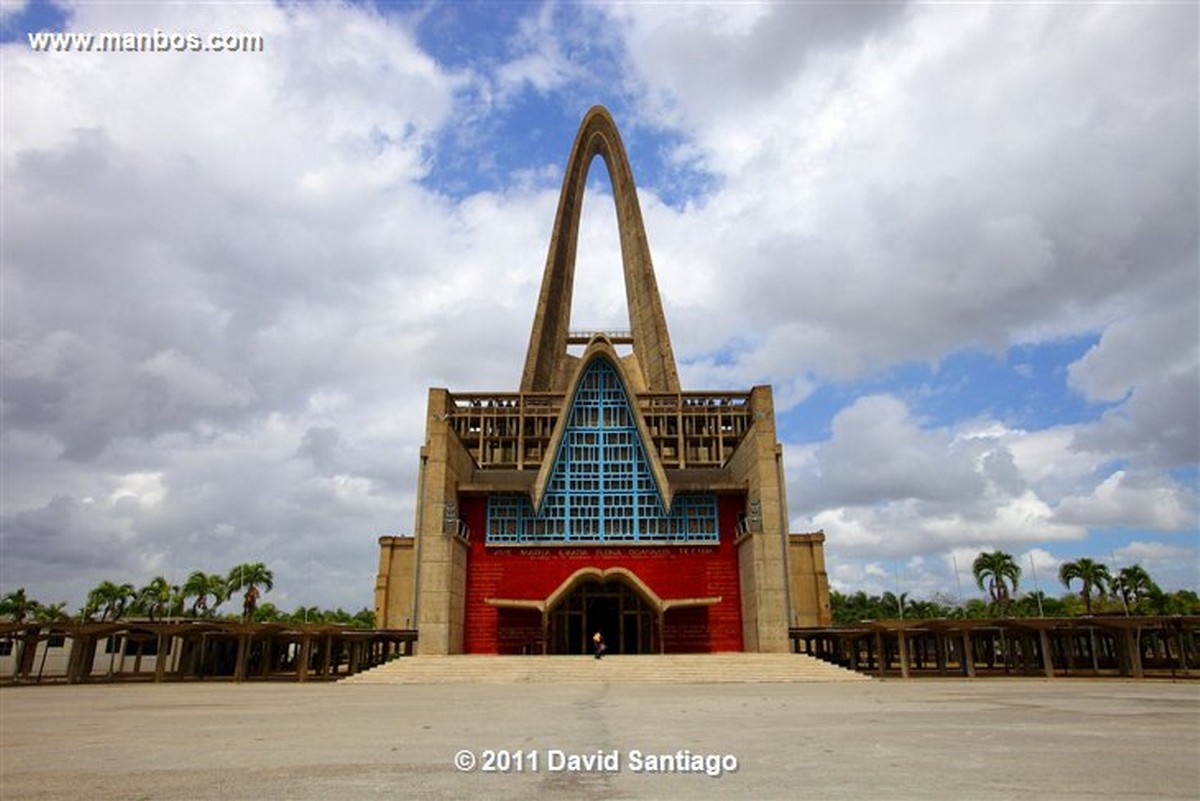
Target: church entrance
612 608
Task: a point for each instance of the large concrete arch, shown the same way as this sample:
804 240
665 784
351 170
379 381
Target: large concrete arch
548 366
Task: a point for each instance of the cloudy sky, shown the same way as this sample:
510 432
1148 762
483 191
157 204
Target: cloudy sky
960 241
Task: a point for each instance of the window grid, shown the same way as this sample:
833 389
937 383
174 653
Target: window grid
601 489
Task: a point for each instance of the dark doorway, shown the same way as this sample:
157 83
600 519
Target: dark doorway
614 609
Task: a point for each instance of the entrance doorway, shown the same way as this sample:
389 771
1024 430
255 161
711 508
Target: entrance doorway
612 608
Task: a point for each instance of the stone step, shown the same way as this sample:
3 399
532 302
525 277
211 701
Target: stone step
651 669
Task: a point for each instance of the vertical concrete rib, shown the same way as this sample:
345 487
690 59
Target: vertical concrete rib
598 136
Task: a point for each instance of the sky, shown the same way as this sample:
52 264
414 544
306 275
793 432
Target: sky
959 241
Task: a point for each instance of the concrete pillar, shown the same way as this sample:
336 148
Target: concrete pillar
968 655
1047 655
303 657
902 648
160 661
78 649
1129 654
327 656
243 649
1029 652
1179 641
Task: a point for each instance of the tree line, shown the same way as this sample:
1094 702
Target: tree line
199 596
1129 591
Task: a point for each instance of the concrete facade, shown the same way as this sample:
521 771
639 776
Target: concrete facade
394 585
471 589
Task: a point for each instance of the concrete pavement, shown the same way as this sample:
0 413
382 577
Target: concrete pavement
1003 739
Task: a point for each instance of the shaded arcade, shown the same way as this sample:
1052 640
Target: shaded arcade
33 653
1126 646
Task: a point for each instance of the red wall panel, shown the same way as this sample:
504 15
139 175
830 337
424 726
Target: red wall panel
687 571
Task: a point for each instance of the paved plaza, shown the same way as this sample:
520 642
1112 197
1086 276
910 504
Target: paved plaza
928 739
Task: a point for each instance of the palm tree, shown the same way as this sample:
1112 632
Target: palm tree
1180 602
997 573
53 613
894 604
248 577
975 609
266 613
17 605
339 616
155 597
177 601
307 614
110 600
1134 585
1092 576
1039 604
849 608
201 585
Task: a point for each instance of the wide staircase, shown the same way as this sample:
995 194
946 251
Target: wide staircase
722 668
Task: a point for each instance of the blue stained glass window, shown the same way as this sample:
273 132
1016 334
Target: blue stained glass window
601 489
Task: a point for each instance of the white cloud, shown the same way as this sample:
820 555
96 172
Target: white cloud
885 194
877 453
883 484
867 576
144 489
1134 500
1170 565
228 273
537 59
1151 364
213 256
1040 568
12 8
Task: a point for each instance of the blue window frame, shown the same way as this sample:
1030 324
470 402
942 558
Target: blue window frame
601 489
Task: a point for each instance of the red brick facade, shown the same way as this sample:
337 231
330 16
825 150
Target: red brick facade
670 571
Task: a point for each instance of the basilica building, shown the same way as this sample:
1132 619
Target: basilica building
600 496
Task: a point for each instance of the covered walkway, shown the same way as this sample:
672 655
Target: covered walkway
1127 646
192 649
